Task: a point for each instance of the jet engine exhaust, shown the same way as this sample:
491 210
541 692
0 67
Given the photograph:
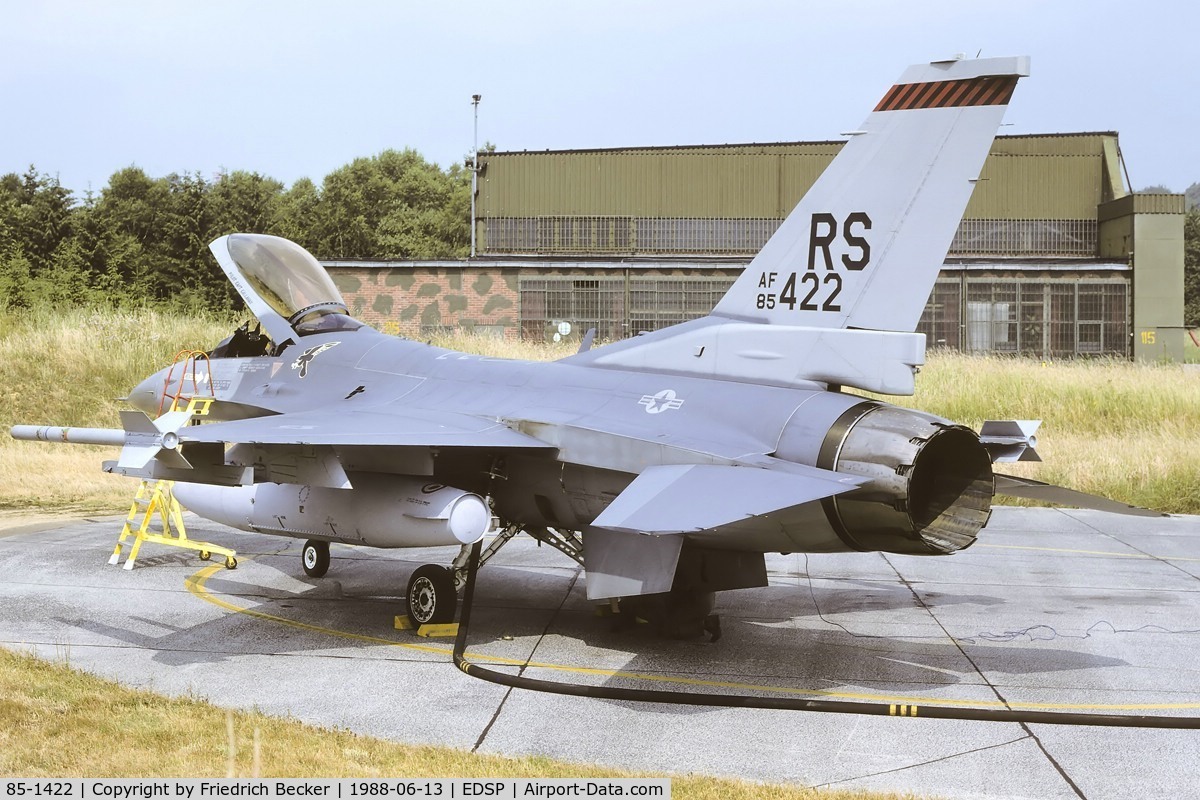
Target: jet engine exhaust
931 482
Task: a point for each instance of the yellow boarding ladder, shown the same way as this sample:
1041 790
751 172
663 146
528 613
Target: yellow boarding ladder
154 501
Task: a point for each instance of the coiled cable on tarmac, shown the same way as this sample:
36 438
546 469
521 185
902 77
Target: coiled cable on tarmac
785 703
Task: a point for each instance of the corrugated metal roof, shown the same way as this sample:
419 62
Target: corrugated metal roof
1144 203
766 147
1041 176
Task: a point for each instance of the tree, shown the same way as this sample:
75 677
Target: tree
144 239
14 266
298 214
1191 269
394 205
244 202
119 233
1192 193
37 219
38 214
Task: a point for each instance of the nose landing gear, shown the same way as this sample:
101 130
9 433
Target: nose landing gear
315 558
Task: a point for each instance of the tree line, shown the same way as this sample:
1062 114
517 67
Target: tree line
145 240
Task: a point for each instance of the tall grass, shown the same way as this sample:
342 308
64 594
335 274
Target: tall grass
71 367
1127 431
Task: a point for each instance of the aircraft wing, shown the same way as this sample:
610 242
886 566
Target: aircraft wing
686 498
406 428
306 447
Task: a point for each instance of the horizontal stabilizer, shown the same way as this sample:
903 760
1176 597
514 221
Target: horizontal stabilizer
687 498
782 355
1062 496
403 428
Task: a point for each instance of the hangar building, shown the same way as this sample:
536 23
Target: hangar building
1053 257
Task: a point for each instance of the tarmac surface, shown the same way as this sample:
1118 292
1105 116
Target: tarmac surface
1052 610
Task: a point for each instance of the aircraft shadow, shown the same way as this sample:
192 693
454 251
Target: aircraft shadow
832 635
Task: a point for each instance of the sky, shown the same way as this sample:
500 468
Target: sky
297 89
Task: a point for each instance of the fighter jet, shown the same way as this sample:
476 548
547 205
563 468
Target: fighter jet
666 464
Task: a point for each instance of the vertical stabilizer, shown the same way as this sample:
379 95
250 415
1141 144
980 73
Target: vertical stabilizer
865 244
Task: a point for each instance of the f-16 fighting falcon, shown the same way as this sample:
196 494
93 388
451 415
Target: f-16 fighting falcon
666 464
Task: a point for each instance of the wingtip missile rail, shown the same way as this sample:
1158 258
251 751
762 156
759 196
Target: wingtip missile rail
112 437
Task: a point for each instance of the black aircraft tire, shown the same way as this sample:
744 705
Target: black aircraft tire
315 558
430 595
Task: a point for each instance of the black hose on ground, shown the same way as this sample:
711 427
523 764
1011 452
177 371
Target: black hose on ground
785 703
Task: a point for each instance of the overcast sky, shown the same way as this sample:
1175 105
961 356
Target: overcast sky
294 89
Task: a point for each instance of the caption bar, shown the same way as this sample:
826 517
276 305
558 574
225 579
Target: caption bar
446 788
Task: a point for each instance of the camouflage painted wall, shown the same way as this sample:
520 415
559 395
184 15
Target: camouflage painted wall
416 301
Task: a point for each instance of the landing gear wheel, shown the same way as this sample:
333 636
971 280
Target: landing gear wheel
230 563
431 597
315 558
205 555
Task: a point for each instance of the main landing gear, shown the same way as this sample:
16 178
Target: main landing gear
431 596
432 592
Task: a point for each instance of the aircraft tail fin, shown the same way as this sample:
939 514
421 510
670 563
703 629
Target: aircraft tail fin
864 246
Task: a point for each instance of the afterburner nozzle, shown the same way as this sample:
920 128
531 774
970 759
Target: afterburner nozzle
931 483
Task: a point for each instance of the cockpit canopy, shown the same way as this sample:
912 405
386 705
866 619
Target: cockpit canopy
284 275
283 285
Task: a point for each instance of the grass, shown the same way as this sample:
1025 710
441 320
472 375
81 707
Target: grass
1123 430
70 368
59 722
1191 347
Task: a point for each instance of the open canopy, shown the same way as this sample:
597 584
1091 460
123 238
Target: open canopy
283 285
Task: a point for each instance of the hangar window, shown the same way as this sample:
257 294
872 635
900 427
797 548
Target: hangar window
1050 316
606 235
617 306
655 302
942 321
992 317
568 306
1026 237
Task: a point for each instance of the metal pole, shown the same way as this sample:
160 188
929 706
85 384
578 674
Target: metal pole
475 98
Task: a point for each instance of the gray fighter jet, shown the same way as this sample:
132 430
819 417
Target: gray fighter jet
666 464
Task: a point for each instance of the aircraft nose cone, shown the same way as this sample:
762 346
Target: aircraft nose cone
146 395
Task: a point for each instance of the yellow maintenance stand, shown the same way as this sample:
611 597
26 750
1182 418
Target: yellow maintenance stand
154 500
